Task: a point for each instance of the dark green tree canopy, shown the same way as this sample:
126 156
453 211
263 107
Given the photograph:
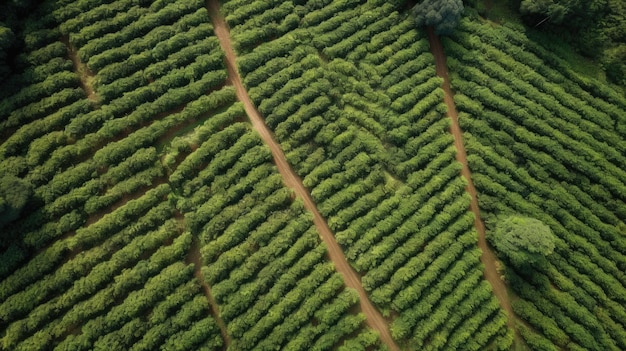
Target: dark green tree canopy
444 15
592 24
555 11
523 241
14 193
6 41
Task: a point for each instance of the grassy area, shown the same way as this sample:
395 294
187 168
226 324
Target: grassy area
504 12
500 11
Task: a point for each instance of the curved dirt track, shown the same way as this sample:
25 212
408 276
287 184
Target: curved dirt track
81 69
374 319
488 258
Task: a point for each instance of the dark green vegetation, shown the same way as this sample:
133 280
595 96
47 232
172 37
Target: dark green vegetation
443 15
14 193
593 28
547 143
120 208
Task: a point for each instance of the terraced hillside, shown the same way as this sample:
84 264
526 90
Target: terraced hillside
149 200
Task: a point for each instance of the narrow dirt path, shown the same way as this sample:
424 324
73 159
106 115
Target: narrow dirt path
195 258
84 73
374 319
488 258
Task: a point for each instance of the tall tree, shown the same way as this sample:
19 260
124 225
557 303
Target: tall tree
14 193
6 41
444 15
524 241
552 10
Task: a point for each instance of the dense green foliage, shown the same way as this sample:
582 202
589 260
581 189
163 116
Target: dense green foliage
14 193
98 260
262 256
130 191
523 241
597 28
350 92
149 215
443 15
7 38
547 143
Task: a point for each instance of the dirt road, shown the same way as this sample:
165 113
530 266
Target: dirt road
488 258
374 319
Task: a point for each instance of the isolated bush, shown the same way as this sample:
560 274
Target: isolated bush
524 241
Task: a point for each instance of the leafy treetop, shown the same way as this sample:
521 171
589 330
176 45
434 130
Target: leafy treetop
14 193
6 41
444 15
524 241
